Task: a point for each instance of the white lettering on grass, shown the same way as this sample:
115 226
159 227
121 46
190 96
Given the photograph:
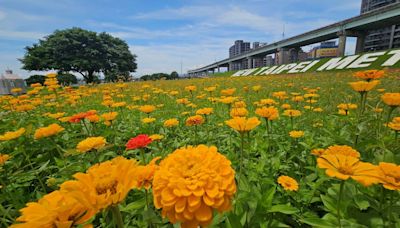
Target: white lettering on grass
394 59
366 60
338 63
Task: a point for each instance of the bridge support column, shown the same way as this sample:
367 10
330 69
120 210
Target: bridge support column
360 43
342 44
249 63
218 70
230 66
282 52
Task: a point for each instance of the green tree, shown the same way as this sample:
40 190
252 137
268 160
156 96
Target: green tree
174 75
81 51
36 78
114 76
66 79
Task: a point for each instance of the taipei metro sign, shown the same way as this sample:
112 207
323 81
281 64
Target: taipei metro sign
374 60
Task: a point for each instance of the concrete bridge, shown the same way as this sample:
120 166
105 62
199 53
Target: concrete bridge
352 27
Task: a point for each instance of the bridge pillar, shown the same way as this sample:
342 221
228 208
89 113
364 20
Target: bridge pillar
360 43
342 44
282 52
249 63
230 66
218 70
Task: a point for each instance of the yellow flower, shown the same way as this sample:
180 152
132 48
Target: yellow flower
288 183
194 120
4 158
296 134
363 86
369 74
56 115
191 183
93 118
391 99
270 113
345 167
171 122
239 104
227 100
286 106
109 116
228 92
239 112
318 152
242 124
156 137
145 174
256 88
91 143
48 131
204 111
390 175
347 106
147 108
395 124
190 88
280 95
291 113
148 120
103 184
267 102
210 89
118 104
10 135
343 150
56 209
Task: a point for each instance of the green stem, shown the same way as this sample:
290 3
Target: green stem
338 204
117 216
143 157
241 155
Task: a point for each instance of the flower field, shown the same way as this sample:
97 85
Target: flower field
311 150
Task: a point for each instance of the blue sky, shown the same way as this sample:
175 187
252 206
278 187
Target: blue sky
162 33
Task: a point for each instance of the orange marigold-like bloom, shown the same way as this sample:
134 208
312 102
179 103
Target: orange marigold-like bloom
242 124
318 152
148 120
228 92
147 108
194 120
156 137
391 99
204 111
296 134
48 131
56 209
345 167
395 124
270 113
190 88
145 174
369 74
191 183
104 184
343 150
4 158
347 106
390 175
91 143
363 86
288 183
227 100
109 116
239 112
10 135
171 122
291 113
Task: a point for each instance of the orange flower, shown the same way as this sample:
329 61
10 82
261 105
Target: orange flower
363 86
194 120
270 113
318 152
390 175
343 150
395 124
191 183
242 124
171 122
345 167
48 131
288 183
296 134
145 174
292 113
239 112
391 99
369 74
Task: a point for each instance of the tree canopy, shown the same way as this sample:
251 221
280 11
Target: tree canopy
158 76
81 51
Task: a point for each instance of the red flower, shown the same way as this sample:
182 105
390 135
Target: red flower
139 141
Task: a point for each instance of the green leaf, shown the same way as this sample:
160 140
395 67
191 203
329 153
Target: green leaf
134 205
317 222
361 202
329 203
268 197
234 221
283 208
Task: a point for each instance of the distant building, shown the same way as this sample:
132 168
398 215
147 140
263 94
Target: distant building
258 45
383 38
238 48
269 60
9 81
326 49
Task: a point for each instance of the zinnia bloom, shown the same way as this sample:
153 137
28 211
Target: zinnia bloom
190 88
10 135
4 158
291 113
296 134
103 184
194 120
345 167
140 141
204 111
145 174
91 143
390 175
148 120
318 152
156 137
56 209
288 183
171 122
147 108
395 124
48 131
369 74
363 86
239 112
270 113
242 124
343 150
391 99
191 183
